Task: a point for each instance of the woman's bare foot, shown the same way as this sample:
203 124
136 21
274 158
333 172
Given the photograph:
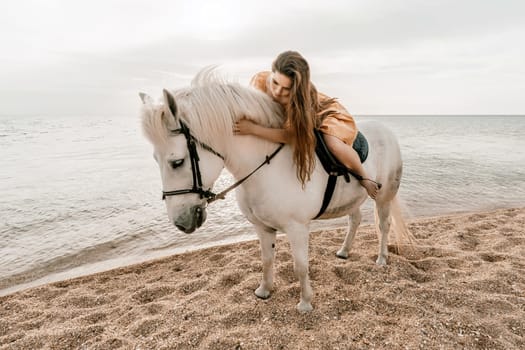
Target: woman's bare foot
371 187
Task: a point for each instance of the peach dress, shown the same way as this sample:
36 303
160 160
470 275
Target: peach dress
339 124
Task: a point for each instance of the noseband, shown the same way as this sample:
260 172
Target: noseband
197 188
192 142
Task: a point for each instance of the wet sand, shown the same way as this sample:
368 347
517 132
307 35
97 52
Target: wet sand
461 286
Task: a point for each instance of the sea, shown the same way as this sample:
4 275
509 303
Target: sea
80 195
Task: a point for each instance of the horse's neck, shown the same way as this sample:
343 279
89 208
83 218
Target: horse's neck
246 153
235 102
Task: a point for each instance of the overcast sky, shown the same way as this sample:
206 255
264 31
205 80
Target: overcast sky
65 57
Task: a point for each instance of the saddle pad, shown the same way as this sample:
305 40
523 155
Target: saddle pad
329 162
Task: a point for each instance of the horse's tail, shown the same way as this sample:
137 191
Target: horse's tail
403 238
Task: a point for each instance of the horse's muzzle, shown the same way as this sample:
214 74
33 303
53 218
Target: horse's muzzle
191 220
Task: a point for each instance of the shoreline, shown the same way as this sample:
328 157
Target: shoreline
462 285
40 277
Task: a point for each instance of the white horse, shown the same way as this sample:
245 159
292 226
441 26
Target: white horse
191 131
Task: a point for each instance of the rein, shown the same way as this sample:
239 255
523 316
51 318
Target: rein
197 188
266 161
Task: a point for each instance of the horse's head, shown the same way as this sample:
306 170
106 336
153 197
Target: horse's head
188 168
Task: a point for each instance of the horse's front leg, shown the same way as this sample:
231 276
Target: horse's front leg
267 242
298 237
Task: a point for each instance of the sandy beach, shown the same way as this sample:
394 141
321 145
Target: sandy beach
462 286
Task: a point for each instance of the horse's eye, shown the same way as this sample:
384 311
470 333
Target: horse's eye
176 163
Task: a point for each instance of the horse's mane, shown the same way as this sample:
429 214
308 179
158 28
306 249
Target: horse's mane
210 107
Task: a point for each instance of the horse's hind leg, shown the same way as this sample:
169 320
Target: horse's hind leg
354 219
383 212
267 242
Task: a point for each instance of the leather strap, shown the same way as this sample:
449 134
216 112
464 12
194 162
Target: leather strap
330 187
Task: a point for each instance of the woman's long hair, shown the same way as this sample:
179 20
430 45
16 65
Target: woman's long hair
302 111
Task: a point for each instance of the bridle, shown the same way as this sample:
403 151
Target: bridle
191 143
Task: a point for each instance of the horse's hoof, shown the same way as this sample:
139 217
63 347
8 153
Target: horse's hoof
341 255
262 293
381 261
304 307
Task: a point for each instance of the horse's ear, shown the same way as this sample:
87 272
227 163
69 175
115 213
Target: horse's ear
169 103
145 98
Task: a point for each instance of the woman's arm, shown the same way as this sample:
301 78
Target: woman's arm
247 127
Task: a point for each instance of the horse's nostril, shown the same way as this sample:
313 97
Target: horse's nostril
200 216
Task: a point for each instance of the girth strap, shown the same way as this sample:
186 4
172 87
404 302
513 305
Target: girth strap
330 187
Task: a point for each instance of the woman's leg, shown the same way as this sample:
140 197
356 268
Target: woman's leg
349 157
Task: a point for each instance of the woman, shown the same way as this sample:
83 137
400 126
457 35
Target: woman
305 109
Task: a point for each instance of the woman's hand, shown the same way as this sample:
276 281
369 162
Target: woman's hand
247 127
244 127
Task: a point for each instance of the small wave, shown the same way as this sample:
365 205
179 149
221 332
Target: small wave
97 253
